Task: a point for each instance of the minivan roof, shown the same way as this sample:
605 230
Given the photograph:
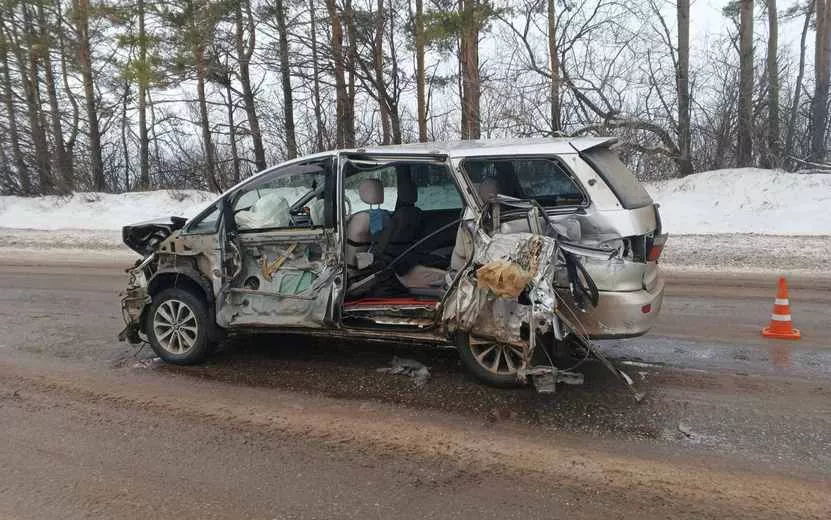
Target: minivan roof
470 148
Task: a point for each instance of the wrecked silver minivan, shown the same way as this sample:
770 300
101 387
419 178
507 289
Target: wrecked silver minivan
508 250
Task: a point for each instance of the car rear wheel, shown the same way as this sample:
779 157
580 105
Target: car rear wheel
178 327
495 364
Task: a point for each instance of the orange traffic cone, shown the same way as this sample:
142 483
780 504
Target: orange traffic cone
781 326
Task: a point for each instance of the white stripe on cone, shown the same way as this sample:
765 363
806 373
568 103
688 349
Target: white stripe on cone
781 301
780 317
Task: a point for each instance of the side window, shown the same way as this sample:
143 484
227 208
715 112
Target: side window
436 188
545 180
293 199
205 223
352 183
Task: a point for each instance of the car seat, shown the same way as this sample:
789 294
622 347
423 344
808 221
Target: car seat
359 235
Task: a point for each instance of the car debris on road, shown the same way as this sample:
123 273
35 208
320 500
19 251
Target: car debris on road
410 368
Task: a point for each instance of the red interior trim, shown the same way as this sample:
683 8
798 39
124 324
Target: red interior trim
373 302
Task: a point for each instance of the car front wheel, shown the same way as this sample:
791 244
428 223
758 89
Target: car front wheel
178 327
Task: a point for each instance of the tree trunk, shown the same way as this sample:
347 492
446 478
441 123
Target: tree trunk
210 160
378 62
819 106
341 95
244 54
791 130
143 84
421 80
24 183
63 167
232 132
285 77
320 129
554 65
774 154
30 77
73 132
744 152
469 61
351 65
683 85
392 101
125 124
81 11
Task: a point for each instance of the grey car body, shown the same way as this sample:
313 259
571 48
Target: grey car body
279 252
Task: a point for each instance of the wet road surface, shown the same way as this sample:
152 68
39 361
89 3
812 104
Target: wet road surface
284 427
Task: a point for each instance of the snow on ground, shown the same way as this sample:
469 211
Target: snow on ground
98 211
746 200
740 220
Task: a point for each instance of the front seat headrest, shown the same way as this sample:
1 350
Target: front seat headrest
488 188
371 191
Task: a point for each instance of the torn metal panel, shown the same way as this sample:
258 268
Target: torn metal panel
546 378
475 307
280 283
135 299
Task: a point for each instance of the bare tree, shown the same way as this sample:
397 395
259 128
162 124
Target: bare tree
23 182
244 24
822 74
554 68
420 44
342 131
774 154
378 63
351 62
63 165
469 67
143 84
80 15
791 129
683 86
285 79
320 130
744 150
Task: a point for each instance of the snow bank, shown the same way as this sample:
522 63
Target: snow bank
103 211
746 200
98 211
718 202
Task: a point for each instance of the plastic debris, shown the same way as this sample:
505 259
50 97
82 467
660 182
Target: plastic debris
685 430
410 368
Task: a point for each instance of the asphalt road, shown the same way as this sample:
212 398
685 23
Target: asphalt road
284 427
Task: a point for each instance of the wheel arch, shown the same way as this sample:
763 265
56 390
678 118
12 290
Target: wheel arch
188 279
183 278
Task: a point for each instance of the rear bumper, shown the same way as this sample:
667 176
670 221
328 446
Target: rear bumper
621 314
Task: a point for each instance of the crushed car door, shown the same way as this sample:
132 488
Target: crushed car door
281 256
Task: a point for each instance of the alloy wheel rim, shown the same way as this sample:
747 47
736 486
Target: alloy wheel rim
498 358
175 326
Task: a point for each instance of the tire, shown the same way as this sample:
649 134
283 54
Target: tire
179 327
479 362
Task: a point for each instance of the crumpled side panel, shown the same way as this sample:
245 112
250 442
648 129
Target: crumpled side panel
474 308
280 284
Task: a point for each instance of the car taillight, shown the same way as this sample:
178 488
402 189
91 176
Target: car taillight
656 248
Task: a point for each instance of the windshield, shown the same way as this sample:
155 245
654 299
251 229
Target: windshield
621 180
542 179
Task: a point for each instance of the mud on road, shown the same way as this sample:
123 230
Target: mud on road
284 427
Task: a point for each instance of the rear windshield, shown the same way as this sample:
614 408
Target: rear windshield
544 180
621 180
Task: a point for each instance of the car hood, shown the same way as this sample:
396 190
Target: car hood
143 237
